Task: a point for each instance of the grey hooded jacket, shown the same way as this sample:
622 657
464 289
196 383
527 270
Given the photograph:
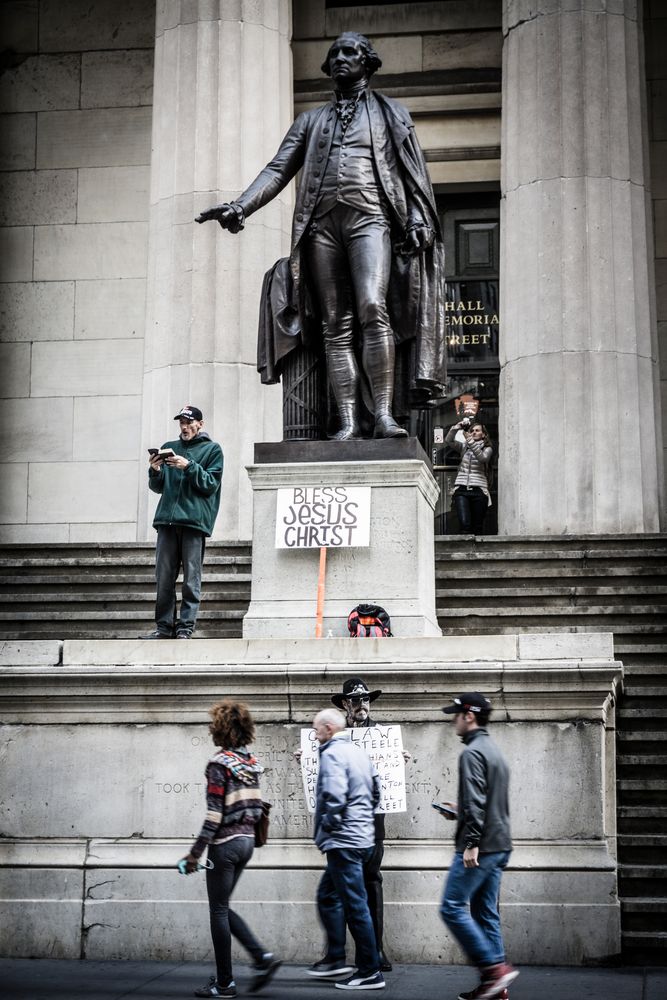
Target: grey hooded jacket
348 792
483 796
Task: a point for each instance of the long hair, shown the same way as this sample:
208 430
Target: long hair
231 724
487 439
372 61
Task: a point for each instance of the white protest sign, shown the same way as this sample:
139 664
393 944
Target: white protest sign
384 746
313 517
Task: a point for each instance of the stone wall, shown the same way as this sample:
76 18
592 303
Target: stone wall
75 116
104 746
441 60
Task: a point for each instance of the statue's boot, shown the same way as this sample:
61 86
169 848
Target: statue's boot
344 377
349 425
386 427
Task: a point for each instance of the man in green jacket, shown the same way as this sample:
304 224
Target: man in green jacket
189 483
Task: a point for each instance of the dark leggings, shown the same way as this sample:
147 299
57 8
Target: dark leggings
229 860
470 506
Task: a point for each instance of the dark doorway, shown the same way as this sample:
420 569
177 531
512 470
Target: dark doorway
471 230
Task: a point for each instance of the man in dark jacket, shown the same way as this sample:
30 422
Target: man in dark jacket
483 848
189 483
367 257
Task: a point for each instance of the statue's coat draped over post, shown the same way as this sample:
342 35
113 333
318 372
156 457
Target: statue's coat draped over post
365 276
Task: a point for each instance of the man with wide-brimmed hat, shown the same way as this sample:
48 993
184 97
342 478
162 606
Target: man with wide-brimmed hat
483 847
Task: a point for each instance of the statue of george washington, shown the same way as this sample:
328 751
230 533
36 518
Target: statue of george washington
365 277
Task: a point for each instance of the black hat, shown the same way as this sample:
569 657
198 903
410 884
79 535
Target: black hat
471 702
354 687
189 413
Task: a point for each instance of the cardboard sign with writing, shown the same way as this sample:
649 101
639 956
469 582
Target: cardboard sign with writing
384 746
313 517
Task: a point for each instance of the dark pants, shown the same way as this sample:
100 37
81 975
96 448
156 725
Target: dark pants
470 505
373 883
341 900
178 547
350 258
229 860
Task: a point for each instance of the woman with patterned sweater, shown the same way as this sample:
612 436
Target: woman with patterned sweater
234 806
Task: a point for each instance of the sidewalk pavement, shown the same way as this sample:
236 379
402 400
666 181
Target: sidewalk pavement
46 979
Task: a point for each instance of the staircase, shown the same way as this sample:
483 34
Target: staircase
483 585
92 591
612 584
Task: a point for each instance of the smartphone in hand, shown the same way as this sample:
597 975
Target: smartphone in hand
445 810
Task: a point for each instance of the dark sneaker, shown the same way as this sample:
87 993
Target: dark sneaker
326 969
264 972
385 964
495 979
157 634
183 633
357 982
474 994
213 990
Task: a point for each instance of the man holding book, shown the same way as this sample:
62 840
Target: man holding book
187 473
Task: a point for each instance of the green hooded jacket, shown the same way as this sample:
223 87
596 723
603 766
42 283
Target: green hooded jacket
190 497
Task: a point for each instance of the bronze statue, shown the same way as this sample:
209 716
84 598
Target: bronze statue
365 276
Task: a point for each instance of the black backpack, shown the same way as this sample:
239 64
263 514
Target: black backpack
368 621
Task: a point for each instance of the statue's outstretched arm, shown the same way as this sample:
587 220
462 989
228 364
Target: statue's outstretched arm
269 182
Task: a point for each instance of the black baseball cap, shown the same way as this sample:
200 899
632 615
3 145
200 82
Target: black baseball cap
189 413
473 701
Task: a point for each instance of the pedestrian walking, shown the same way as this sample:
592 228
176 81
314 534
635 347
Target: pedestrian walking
348 791
234 807
482 849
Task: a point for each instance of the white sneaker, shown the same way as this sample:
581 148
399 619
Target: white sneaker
372 982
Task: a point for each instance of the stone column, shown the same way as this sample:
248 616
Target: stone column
579 434
222 102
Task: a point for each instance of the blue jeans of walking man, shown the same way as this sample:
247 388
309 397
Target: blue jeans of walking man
342 892
470 907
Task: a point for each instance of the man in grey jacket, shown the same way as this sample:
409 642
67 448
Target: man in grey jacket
483 847
348 791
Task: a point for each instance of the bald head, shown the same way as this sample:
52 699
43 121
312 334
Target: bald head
327 723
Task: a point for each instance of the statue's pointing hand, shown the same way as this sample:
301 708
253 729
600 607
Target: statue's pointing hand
230 216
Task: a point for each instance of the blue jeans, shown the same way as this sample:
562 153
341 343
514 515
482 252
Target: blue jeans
177 548
470 907
342 893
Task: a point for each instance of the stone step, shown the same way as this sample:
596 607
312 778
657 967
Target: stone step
101 563
642 840
641 760
234 573
234 591
642 784
101 615
459 595
643 736
646 939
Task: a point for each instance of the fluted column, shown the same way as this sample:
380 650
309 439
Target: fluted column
222 102
579 436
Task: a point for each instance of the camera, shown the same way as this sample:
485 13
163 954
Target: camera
466 423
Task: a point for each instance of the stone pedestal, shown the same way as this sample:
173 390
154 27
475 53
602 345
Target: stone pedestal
578 412
397 570
90 842
222 103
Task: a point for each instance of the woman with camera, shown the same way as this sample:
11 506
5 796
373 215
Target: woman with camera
234 807
471 496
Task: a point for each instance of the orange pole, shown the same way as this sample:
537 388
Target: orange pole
320 593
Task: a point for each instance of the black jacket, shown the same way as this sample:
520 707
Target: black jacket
483 796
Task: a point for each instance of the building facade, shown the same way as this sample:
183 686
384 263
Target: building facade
544 131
